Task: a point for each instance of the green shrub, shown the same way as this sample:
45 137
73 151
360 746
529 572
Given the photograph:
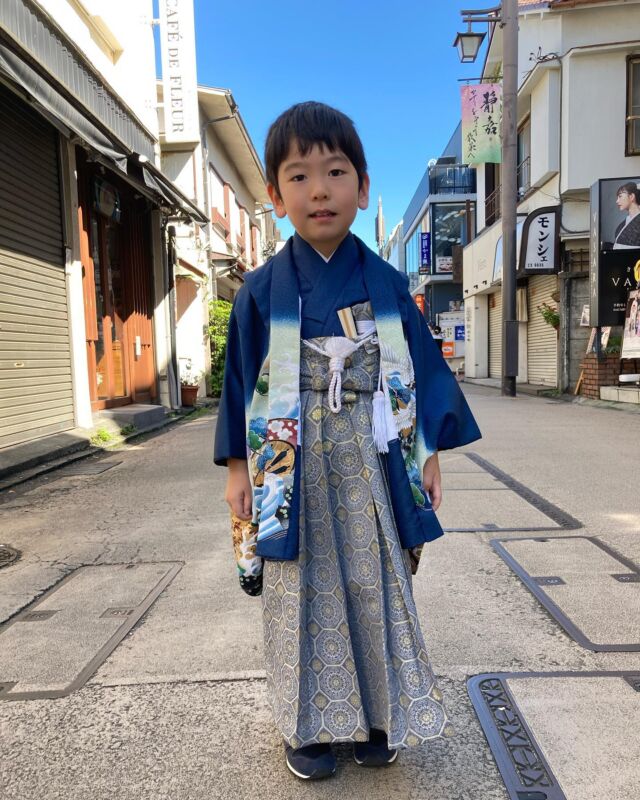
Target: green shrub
219 312
101 436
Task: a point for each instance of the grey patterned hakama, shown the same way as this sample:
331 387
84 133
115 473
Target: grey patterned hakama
343 646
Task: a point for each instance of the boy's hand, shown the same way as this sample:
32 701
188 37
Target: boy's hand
238 494
432 480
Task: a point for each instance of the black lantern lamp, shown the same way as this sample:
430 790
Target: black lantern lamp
468 44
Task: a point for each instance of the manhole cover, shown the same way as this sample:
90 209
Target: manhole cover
90 467
8 555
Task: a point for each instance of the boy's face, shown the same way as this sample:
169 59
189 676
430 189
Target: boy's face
320 195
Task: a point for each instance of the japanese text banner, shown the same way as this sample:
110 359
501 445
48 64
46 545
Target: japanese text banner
481 123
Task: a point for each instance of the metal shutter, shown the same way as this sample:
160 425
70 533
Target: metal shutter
36 396
542 339
495 334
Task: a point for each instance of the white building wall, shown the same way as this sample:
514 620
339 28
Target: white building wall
117 38
593 120
227 171
545 127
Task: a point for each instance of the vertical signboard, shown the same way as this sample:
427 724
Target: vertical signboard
179 79
540 248
425 253
482 123
614 250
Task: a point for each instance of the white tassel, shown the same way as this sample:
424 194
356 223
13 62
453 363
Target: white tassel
379 422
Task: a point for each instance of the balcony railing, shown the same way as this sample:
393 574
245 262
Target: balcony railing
524 176
492 207
452 180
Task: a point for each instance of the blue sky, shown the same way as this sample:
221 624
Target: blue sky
389 65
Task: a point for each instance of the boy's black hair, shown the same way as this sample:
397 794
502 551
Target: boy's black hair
311 124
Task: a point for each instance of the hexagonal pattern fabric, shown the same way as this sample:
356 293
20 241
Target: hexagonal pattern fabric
343 645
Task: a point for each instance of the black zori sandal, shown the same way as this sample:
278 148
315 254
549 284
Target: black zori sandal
375 752
311 763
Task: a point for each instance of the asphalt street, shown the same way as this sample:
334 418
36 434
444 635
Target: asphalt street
177 707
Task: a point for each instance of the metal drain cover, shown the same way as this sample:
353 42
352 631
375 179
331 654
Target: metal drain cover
8 555
540 727
85 467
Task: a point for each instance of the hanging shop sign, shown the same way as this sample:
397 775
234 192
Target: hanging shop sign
540 248
444 264
425 253
179 81
106 200
631 332
481 123
614 249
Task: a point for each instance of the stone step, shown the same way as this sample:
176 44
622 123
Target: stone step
139 415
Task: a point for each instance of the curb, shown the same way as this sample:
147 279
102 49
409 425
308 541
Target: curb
41 465
610 405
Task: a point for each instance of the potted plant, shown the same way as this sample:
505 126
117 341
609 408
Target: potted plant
550 315
189 385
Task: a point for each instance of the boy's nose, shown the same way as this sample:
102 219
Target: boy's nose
319 190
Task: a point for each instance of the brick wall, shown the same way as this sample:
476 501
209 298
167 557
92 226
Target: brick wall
604 372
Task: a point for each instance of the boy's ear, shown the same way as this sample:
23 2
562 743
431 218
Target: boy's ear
278 205
363 194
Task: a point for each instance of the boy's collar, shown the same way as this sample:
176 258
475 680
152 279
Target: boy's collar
347 248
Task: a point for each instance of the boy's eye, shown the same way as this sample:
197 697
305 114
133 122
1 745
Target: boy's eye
297 178
335 173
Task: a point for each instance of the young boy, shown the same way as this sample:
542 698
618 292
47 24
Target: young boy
335 404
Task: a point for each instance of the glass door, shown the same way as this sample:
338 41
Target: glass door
109 348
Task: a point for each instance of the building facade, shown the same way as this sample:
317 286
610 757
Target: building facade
223 175
84 311
439 219
438 222
579 83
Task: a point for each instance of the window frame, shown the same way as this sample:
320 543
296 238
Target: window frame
632 60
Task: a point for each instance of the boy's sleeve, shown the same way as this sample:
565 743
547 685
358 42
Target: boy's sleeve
230 440
447 420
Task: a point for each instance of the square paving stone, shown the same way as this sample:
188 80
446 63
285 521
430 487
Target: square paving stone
54 645
596 600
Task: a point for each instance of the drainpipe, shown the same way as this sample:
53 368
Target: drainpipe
169 258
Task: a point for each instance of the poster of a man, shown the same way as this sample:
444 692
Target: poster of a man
620 214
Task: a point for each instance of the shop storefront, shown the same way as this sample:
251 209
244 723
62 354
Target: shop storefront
495 334
115 240
542 338
36 393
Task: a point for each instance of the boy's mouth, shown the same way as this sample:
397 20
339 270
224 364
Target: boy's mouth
322 213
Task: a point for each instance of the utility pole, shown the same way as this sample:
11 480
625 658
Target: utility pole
468 43
509 194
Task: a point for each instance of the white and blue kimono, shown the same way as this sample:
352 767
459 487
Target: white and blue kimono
338 513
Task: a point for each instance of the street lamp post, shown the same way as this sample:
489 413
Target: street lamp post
468 44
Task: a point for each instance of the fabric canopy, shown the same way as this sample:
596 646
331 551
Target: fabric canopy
61 113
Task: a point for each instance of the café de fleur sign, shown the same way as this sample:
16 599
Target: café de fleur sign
179 81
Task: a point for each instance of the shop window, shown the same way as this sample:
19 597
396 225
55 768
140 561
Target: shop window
633 106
